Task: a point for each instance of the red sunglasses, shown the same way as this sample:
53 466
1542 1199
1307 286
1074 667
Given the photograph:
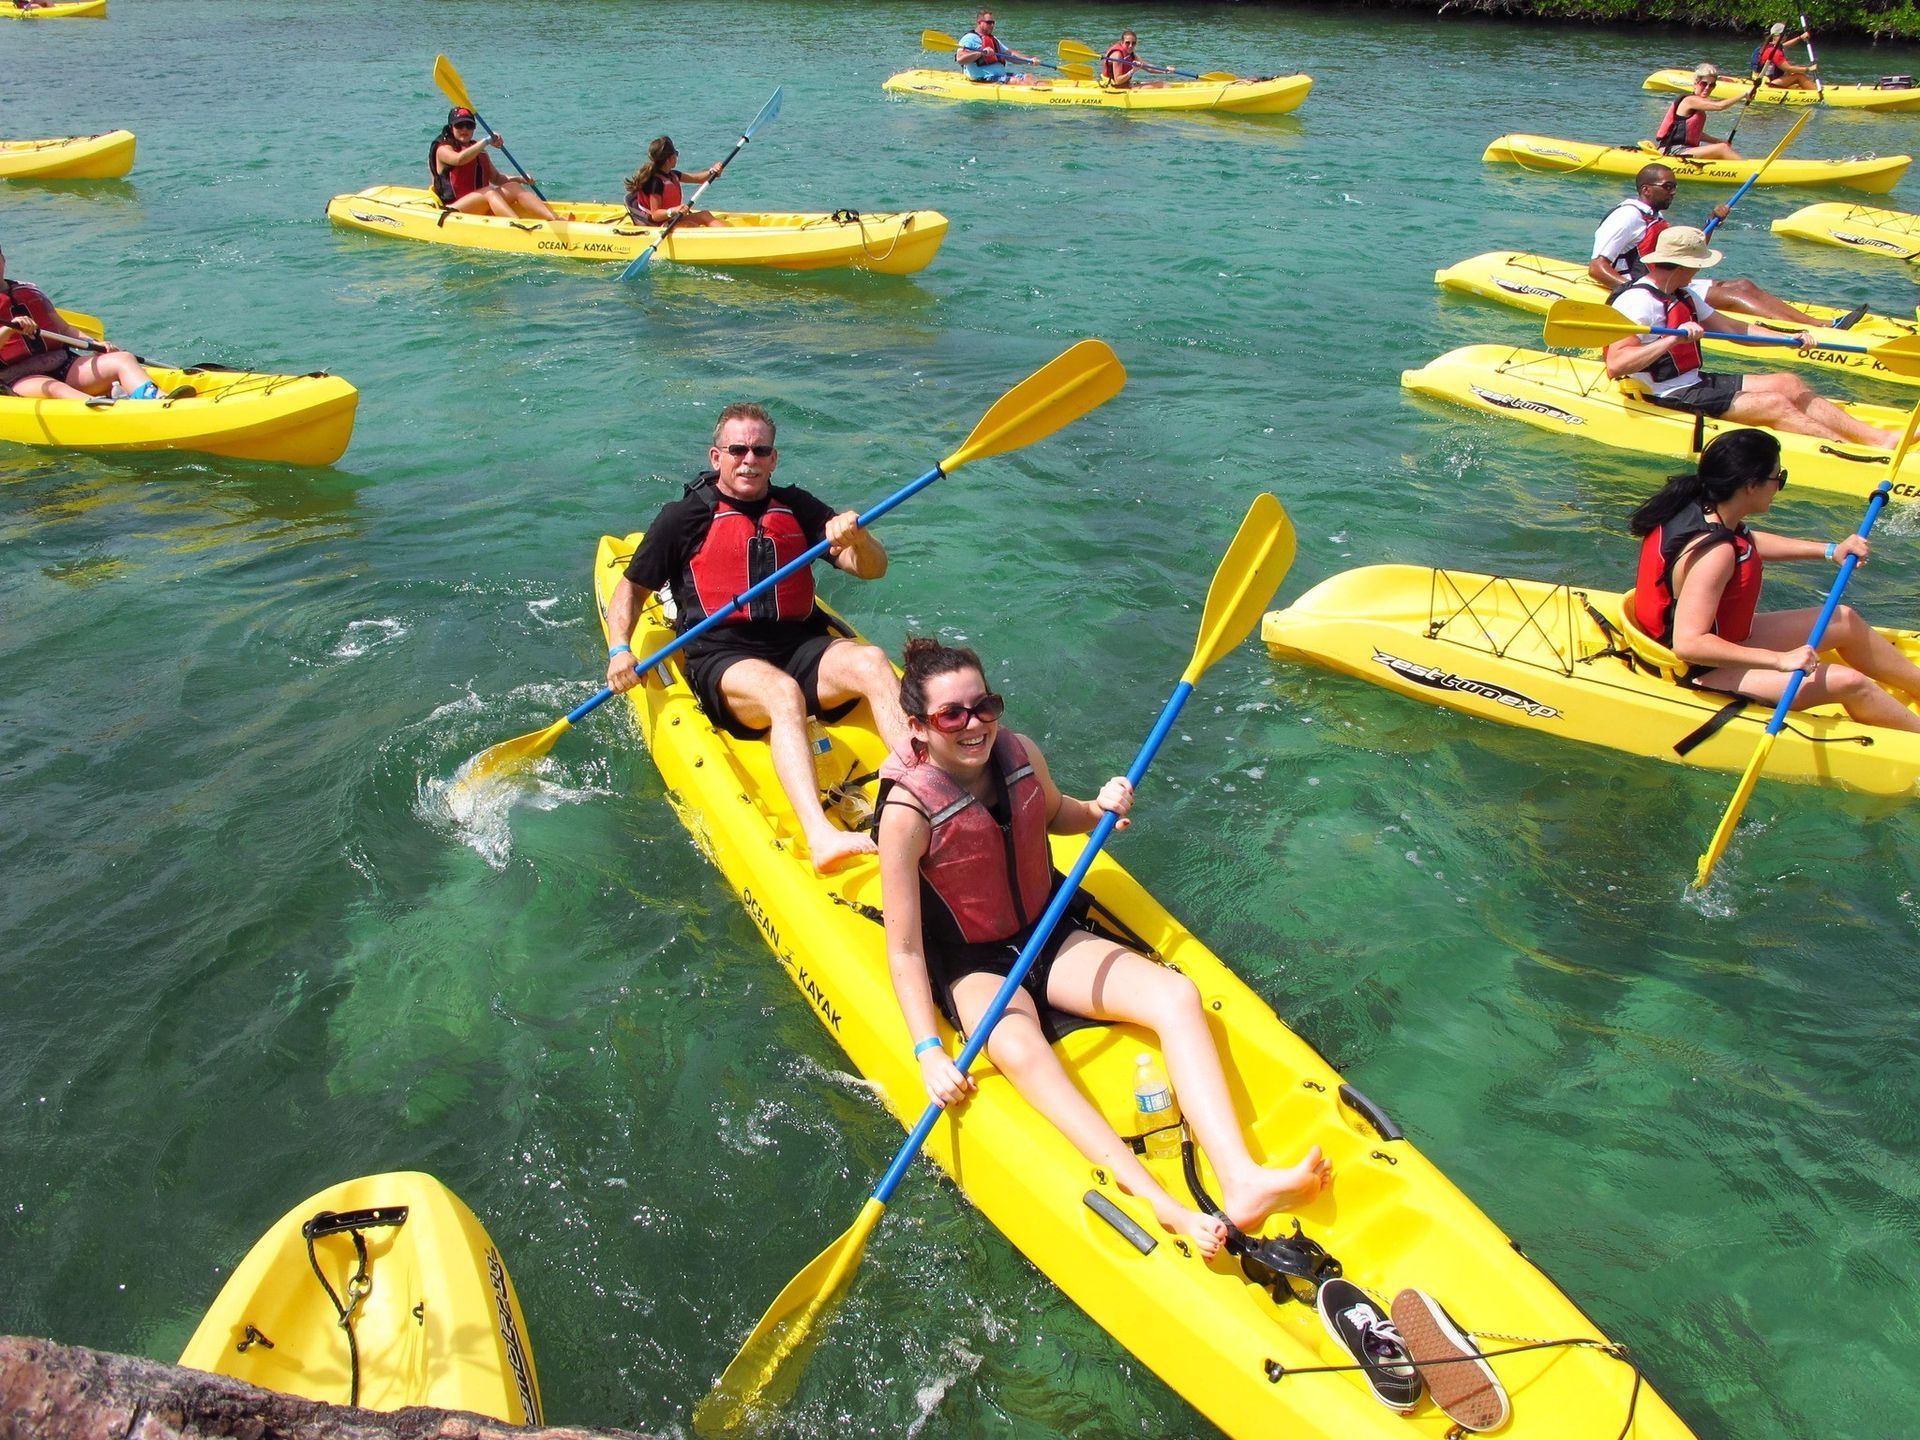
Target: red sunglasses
949 719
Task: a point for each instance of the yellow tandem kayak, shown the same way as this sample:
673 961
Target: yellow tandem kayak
890 244
105 156
1564 660
439 1323
1275 96
1574 397
1876 174
1391 1218
1843 97
78 10
1893 234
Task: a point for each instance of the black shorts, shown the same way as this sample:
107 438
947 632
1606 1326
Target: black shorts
802 663
1710 395
55 365
999 959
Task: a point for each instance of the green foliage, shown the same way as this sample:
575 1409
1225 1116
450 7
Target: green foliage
1874 18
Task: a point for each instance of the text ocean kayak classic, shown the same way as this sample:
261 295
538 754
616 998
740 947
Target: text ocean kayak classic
1843 97
891 244
1223 1342
1543 153
438 1322
1275 96
106 156
1563 660
1867 229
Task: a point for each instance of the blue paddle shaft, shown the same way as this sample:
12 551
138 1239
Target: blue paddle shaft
1049 918
1847 567
1757 339
767 112
1713 221
478 120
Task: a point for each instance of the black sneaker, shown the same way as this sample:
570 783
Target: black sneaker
1368 1335
1851 318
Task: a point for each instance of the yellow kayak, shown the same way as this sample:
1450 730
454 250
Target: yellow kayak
78 10
891 244
74 157
1574 397
1567 661
1535 282
1227 1345
439 1323
1275 96
1892 234
1842 97
1875 174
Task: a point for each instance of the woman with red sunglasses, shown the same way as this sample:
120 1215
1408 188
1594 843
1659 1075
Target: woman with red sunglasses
965 875
464 178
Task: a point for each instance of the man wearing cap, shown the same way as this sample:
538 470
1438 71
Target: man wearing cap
1683 129
1670 364
1770 61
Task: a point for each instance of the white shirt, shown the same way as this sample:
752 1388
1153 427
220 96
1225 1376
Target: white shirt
1624 228
1649 309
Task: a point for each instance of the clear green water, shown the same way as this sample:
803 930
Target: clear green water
246 953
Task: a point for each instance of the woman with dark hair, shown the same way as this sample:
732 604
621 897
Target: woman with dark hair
654 193
465 179
965 876
1698 592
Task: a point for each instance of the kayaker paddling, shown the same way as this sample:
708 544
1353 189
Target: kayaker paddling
1770 61
654 193
965 810
1119 64
771 666
1670 364
1683 129
982 57
35 367
464 177
1698 592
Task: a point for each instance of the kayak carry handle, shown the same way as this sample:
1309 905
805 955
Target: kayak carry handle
1131 1232
1376 1117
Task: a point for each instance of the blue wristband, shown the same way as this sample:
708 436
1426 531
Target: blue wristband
1831 547
932 1042
619 650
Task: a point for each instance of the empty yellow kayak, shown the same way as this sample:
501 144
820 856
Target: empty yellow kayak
1567 661
1843 97
432 1314
891 244
78 10
74 157
1891 234
1275 96
1875 174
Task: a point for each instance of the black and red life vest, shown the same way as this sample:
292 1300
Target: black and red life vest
1685 355
1116 64
1660 551
1632 261
992 878
738 552
1673 133
456 181
1770 59
24 301
665 195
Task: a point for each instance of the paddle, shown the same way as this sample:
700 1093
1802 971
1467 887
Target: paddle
1574 323
1244 583
934 40
1074 50
75 342
1078 380
1713 222
1745 105
1813 60
767 112
455 89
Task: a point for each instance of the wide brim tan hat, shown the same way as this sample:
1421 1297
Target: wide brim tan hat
1684 245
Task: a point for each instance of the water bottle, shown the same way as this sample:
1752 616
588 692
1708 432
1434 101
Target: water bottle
821 744
1155 1113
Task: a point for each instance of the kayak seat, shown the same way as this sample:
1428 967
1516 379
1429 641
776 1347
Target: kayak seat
1647 650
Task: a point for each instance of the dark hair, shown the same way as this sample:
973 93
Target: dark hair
1733 461
655 166
924 659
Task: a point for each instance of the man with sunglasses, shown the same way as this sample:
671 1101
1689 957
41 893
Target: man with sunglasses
982 57
774 663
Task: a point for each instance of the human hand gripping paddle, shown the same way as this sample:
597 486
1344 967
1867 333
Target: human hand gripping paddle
768 1363
767 112
1074 50
1582 325
1713 222
1078 380
935 40
455 89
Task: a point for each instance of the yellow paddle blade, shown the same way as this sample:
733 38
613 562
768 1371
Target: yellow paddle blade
1077 72
768 1366
1220 77
450 83
84 324
1902 356
1906 441
1580 324
510 755
1074 50
1080 379
1731 820
1244 584
934 40
1785 140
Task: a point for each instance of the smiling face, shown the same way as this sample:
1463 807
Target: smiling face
744 474
962 753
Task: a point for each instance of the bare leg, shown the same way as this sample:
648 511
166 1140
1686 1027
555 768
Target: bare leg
1784 402
1749 299
521 200
1870 657
1711 150
96 374
849 671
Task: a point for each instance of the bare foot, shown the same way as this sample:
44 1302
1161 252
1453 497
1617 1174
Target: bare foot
1249 1199
833 848
1207 1232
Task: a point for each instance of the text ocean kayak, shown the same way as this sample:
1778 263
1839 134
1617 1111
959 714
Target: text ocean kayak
1548 658
75 157
1892 234
439 1324
1876 175
79 10
1575 398
1224 1343
1844 97
1535 282
1275 96
892 244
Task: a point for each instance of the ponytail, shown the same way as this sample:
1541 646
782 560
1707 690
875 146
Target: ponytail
1735 460
655 166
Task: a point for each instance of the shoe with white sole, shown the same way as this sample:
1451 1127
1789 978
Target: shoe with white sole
1369 1336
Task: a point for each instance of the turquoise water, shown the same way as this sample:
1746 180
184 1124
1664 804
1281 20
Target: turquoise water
249 953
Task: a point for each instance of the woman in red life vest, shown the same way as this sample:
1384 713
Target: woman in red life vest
1683 129
35 367
464 178
1698 591
1770 60
965 874
654 191
1118 65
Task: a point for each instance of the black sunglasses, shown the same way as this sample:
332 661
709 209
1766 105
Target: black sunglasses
949 719
1779 477
740 452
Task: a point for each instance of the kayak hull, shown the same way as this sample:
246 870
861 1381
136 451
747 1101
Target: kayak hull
1574 397
1274 96
891 244
75 157
1840 97
1535 282
1544 153
1864 229
1530 654
79 10
1391 1217
441 1324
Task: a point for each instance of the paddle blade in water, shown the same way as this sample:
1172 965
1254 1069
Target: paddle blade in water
770 1363
450 83
1730 821
934 40
510 755
1244 584
1076 381
1578 324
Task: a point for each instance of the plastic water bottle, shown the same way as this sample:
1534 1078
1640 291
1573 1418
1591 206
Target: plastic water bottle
821 743
1156 1114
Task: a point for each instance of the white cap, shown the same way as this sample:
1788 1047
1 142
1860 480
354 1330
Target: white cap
1779 27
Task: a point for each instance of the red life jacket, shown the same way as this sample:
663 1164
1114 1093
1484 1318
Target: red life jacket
737 554
1116 64
993 879
1653 597
664 194
1771 54
1631 262
27 301
1669 133
455 181
1685 355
